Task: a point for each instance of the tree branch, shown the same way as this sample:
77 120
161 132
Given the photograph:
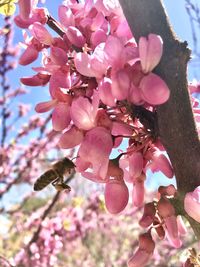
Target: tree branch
175 118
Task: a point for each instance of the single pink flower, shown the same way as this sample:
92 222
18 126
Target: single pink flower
150 51
192 204
95 150
41 33
116 196
83 113
154 90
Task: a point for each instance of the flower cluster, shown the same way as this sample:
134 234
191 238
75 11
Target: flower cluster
103 91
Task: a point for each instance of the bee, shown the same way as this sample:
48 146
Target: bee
55 175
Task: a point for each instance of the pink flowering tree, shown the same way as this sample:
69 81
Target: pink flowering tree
120 98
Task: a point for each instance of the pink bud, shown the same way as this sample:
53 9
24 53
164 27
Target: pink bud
41 33
116 196
150 51
154 90
192 204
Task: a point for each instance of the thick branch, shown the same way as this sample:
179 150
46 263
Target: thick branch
175 118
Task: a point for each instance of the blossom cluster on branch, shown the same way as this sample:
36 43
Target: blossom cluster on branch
103 91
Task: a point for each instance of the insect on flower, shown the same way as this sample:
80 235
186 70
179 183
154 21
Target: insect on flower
55 175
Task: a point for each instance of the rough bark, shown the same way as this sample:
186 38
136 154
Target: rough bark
175 118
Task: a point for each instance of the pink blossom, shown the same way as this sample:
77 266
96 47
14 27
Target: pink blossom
83 113
150 51
95 150
41 33
192 204
154 90
37 15
116 196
